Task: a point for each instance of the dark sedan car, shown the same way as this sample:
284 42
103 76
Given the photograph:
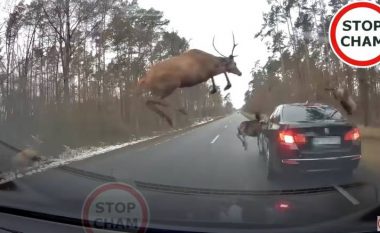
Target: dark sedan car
309 138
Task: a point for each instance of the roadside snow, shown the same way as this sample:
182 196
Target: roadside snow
72 155
201 122
68 156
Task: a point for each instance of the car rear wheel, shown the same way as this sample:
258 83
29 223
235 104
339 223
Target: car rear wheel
271 173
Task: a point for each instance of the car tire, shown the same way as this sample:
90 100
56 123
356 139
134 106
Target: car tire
260 145
271 172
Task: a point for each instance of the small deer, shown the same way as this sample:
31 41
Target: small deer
185 70
344 98
251 128
22 158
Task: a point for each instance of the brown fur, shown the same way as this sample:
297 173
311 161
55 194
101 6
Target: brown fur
344 98
26 157
250 128
185 70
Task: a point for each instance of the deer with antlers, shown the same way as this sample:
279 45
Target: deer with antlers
185 70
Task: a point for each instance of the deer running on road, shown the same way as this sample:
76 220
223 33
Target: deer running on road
251 128
185 70
344 98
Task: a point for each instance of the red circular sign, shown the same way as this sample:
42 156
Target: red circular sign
128 193
333 30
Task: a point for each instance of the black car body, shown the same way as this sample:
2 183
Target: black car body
309 138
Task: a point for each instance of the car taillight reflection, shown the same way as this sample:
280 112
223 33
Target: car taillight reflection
282 205
352 135
290 137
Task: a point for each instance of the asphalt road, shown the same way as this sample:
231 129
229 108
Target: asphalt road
206 157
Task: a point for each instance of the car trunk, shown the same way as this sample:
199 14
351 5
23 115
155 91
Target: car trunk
325 139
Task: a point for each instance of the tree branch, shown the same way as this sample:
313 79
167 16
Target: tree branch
85 36
52 24
80 19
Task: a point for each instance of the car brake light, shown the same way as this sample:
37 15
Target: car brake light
352 135
290 137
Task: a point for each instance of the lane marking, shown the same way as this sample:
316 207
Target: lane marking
225 126
347 195
214 140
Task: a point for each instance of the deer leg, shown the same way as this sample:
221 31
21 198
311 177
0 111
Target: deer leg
245 143
152 105
157 102
182 110
241 137
213 90
228 82
163 104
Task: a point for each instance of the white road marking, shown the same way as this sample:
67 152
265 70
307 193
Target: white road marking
225 126
347 195
214 140
157 144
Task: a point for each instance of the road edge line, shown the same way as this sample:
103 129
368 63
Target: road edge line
347 195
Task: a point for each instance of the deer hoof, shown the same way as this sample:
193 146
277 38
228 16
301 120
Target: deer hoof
181 110
227 87
170 122
213 91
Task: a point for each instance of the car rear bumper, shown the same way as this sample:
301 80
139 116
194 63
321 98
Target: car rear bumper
333 163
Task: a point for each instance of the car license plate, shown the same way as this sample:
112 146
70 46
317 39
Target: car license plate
326 141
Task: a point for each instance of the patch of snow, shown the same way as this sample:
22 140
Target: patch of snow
68 156
203 121
71 155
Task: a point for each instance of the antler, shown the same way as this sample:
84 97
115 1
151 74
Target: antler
234 46
213 44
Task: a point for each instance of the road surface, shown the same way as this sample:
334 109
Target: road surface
209 157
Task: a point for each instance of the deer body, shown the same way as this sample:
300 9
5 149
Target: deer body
344 98
185 70
251 128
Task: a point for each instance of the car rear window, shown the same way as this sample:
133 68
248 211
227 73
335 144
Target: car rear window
310 113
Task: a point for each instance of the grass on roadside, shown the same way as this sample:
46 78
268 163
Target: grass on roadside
370 132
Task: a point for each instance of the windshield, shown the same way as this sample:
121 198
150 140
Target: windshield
212 114
310 113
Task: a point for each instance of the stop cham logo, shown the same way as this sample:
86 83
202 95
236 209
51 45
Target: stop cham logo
355 34
115 206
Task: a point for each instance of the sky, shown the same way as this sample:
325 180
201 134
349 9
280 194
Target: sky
199 20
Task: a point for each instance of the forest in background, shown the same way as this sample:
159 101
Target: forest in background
302 64
69 68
